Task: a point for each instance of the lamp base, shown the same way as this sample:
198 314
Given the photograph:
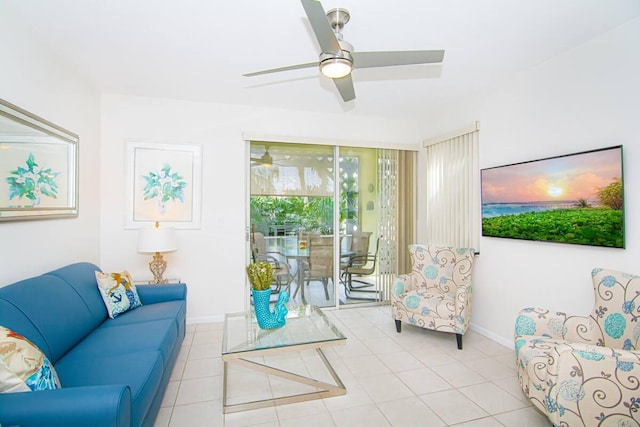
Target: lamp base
157 267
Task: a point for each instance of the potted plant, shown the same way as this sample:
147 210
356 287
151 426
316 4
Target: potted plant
261 275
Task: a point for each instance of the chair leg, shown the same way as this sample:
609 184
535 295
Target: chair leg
398 326
325 282
459 340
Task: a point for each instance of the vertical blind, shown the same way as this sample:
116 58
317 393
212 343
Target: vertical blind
453 191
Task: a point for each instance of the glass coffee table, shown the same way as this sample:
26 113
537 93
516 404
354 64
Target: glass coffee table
307 328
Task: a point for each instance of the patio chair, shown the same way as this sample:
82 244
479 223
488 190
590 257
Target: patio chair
319 267
360 266
284 273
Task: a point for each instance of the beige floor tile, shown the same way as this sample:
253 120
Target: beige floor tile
482 422
423 381
356 396
360 416
198 368
199 390
527 417
302 410
453 407
385 387
205 414
170 393
400 361
458 375
310 420
491 369
382 345
256 417
492 398
512 386
411 412
365 366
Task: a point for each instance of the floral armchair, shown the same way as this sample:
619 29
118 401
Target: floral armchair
437 293
585 371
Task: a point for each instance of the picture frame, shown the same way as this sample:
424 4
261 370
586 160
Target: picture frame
163 184
38 167
575 198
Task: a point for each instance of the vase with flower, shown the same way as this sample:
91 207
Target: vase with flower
261 275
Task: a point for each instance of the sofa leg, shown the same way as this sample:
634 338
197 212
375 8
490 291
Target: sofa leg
459 340
398 326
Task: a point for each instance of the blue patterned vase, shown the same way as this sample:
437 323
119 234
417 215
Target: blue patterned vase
265 317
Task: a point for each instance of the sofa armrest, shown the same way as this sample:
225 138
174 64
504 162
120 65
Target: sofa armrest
96 406
151 294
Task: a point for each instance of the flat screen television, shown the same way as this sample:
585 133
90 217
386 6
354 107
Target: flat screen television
575 198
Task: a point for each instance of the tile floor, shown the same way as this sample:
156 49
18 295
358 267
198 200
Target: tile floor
416 378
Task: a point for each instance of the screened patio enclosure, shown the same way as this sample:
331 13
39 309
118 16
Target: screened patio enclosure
316 210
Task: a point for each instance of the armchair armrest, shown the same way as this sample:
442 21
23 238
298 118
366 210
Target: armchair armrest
96 406
402 283
151 294
557 325
588 382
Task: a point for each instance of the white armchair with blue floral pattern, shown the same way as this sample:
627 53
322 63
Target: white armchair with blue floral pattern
437 293
585 371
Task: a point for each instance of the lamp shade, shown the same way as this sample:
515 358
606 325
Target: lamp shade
157 240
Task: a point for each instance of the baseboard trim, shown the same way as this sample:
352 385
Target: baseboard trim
205 319
492 336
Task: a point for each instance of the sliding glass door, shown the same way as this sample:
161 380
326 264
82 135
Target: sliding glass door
327 216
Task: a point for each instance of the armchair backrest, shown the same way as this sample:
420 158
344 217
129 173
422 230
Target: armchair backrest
616 315
441 267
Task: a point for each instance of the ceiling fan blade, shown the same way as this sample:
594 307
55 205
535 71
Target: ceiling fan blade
390 58
321 27
288 68
345 87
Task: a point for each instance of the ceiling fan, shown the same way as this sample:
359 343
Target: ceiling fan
264 160
338 59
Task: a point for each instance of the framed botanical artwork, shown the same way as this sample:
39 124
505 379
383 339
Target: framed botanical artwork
38 167
163 184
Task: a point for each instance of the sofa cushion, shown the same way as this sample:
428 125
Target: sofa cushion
47 310
118 292
110 340
23 367
142 371
174 310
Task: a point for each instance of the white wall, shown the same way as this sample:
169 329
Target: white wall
583 99
36 81
210 260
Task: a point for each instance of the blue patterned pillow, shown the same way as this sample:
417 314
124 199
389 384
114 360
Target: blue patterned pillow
118 292
23 367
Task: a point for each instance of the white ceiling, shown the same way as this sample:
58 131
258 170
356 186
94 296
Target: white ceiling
198 49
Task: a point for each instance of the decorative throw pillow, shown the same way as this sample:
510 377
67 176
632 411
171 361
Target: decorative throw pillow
118 292
23 367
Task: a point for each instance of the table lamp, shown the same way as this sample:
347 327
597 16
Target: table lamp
157 240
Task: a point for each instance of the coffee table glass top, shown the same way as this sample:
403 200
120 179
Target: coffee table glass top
305 324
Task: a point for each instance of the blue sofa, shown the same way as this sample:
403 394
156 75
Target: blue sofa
113 372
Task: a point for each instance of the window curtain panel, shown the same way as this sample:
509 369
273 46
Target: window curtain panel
453 190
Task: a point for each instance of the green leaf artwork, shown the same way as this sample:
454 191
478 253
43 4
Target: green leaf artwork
165 185
33 182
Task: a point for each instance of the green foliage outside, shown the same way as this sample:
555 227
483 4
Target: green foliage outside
586 226
301 213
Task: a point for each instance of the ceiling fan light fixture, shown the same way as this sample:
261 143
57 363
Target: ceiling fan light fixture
336 67
266 159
